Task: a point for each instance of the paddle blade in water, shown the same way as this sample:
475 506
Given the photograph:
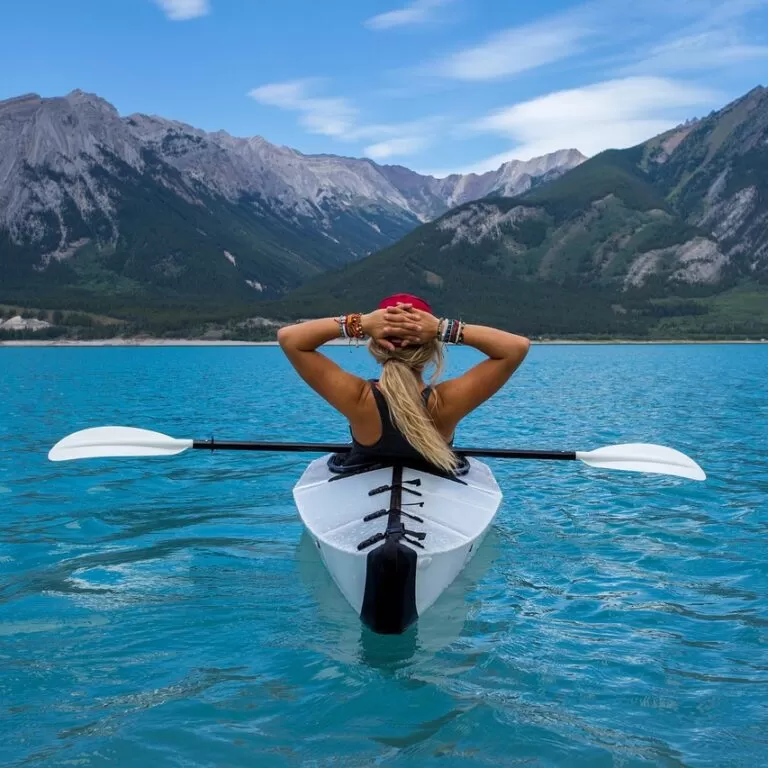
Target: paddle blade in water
643 457
103 442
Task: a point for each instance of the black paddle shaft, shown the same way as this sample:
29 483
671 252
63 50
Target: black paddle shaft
490 453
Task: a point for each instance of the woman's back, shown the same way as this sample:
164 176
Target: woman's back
398 411
377 433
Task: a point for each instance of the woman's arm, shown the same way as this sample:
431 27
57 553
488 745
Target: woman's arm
309 335
459 396
341 389
505 351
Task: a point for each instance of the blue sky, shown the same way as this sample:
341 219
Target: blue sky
437 85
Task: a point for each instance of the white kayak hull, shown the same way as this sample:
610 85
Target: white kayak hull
391 567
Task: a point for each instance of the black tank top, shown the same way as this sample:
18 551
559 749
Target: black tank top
391 444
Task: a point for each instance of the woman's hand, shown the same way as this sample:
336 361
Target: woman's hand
376 326
412 326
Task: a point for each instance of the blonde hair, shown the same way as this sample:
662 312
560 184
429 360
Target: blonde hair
399 383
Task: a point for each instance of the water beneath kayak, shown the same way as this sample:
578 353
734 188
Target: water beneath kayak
170 612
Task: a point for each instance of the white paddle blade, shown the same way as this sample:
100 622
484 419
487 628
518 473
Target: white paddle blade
643 457
103 442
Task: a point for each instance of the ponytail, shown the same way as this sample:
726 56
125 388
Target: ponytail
399 383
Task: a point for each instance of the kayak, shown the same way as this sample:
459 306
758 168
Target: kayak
394 536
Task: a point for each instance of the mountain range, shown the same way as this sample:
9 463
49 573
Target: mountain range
129 215
668 238
96 205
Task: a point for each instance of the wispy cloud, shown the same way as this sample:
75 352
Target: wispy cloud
326 116
631 61
397 147
516 49
720 12
717 36
702 51
694 35
339 118
181 10
416 13
611 114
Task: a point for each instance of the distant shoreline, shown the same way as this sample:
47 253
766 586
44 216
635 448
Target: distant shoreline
147 342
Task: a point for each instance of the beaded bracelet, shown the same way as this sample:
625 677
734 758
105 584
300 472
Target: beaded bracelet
450 331
355 325
351 326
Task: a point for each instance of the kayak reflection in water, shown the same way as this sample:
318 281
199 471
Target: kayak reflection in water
399 416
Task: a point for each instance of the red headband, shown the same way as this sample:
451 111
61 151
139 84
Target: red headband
405 298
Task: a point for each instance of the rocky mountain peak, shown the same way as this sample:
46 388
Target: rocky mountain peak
71 166
90 100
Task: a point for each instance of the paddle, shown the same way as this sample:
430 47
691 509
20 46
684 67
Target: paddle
103 442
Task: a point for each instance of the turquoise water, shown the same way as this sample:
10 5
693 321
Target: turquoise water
168 612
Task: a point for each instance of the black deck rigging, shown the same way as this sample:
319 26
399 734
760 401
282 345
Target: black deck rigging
389 601
395 527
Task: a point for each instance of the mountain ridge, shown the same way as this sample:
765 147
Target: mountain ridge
78 184
665 239
653 239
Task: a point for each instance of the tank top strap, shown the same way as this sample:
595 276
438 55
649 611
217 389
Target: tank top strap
387 427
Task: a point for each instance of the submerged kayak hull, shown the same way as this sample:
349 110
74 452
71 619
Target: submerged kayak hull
394 537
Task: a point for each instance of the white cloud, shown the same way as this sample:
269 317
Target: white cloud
716 49
422 128
719 12
418 12
288 95
326 116
611 114
516 50
404 145
699 34
338 118
181 10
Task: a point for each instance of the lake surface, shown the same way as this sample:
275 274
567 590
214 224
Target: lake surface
169 612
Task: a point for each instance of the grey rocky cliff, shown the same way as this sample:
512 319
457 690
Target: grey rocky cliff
62 160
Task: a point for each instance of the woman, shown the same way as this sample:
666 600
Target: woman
398 416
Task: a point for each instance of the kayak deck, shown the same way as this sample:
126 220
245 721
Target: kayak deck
395 535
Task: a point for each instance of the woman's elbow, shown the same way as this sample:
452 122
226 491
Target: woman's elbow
284 335
519 347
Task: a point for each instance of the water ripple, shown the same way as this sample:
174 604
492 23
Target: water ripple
171 612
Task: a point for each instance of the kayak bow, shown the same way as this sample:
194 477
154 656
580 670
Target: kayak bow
395 536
